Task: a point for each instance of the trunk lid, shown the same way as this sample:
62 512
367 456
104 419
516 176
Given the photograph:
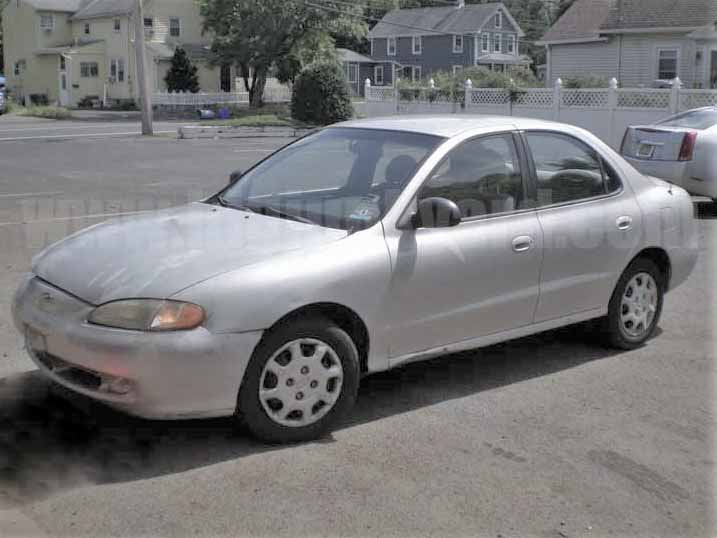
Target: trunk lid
652 143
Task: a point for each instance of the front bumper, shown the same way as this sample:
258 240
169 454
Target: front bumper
182 374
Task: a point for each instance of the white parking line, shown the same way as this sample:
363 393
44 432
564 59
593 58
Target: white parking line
30 194
89 135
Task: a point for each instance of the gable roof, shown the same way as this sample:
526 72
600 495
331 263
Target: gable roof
634 14
438 20
102 8
581 22
346 55
57 5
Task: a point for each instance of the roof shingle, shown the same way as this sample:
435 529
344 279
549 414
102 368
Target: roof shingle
581 21
632 14
102 8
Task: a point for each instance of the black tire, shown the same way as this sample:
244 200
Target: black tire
615 334
250 408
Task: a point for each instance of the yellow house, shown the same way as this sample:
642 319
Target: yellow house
67 51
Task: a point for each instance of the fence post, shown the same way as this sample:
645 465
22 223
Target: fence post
396 95
367 89
612 108
557 98
468 97
675 96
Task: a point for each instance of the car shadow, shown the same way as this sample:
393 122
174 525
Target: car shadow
52 440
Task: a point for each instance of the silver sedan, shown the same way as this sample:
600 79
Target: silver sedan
359 248
681 149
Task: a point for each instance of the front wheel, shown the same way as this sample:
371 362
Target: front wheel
302 377
635 306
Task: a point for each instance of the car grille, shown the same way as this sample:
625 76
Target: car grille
72 374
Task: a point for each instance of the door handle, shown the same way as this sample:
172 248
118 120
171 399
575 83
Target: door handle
523 243
624 223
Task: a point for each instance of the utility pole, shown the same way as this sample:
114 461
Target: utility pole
142 82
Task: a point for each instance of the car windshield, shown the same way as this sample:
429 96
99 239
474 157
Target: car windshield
344 178
694 119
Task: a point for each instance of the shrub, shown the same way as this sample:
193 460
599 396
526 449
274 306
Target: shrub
47 112
585 81
321 95
182 75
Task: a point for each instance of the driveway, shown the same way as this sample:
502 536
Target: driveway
549 436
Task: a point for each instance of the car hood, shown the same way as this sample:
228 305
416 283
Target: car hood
158 254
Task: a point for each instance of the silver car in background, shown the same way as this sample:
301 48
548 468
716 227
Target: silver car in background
357 249
681 149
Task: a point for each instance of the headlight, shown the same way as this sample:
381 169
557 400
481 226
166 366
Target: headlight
148 315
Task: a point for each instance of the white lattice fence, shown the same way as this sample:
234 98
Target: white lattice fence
697 98
597 98
533 97
643 98
489 96
199 99
380 93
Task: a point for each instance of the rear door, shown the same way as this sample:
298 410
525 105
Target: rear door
590 224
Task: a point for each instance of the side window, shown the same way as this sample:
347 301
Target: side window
567 169
482 176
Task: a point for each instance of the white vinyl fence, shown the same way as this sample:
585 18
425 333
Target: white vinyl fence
197 100
606 112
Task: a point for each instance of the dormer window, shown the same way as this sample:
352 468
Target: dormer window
47 22
499 19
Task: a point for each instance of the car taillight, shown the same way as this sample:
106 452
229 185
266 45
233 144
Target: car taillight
688 146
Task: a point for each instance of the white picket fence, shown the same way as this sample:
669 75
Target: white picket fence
196 100
606 112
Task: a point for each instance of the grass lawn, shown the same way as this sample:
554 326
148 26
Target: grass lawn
47 112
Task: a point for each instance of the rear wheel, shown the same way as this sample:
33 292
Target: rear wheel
635 306
302 377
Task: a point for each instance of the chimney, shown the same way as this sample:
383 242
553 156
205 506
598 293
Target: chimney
460 4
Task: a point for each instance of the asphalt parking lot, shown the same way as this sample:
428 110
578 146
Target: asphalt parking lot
549 436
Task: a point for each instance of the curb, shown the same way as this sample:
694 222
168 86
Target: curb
189 132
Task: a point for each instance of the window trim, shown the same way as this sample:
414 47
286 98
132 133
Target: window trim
417 40
534 173
678 61
352 68
44 16
485 42
86 29
90 64
524 175
390 40
117 25
498 43
179 27
512 44
376 70
457 69
499 19
456 48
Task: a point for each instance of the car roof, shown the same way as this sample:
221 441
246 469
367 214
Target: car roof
447 126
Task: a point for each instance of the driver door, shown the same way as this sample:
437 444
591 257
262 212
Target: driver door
477 278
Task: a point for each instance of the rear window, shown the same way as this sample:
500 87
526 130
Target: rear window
694 119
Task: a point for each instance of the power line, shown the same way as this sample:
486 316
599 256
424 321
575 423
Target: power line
375 19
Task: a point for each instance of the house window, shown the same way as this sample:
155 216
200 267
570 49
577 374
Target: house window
485 39
371 43
499 19
497 44
378 75
175 27
352 71
667 64
117 71
391 46
457 69
63 63
417 44
20 66
117 25
417 73
457 43
148 26
511 44
87 28
89 70
47 22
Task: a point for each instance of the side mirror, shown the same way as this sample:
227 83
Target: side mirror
436 213
235 176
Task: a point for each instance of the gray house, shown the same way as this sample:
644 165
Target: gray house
358 68
641 43
422 41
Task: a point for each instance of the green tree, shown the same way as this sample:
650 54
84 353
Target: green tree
256 35
182 75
